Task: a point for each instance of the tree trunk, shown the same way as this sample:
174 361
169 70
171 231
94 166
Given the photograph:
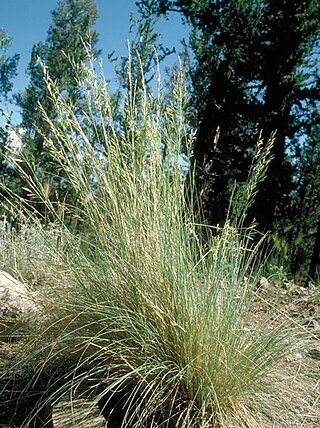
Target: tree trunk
315 258
280 60
207 158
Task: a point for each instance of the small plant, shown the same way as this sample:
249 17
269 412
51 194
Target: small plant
141 307
27 249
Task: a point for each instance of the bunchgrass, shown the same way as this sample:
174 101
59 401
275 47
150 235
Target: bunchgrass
141 306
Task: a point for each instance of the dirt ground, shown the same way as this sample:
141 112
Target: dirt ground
294 397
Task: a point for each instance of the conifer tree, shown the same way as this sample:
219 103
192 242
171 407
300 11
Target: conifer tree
8 68
68 39
8 65
251 73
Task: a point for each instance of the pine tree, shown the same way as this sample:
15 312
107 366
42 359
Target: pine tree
8 68
8 65
292 29
251 72
68 40
303 219
146 51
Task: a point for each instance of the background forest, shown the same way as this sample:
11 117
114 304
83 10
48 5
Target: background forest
252 66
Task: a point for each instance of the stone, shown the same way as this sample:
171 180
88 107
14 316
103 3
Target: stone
264 283
17 301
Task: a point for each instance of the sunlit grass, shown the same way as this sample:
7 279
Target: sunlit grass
140 305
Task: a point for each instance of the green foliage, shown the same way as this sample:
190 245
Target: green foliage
305 208
8 65
68 41
256 68
26 250
147 42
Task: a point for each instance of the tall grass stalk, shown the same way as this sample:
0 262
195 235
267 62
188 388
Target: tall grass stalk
139 304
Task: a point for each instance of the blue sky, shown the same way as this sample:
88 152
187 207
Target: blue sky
27 22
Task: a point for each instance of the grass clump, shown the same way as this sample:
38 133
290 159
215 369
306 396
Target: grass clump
141 307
